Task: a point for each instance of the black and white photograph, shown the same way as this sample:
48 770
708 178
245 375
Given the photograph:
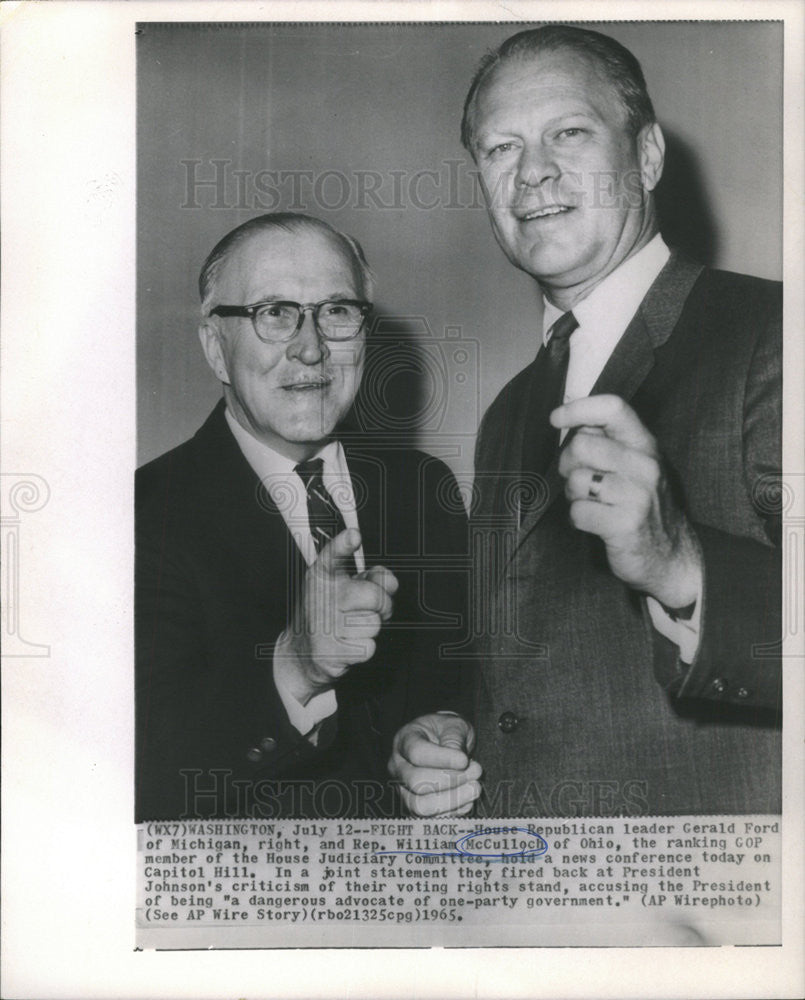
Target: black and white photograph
457 458
626 550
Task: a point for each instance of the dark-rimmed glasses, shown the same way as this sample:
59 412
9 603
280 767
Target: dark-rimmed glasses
278 321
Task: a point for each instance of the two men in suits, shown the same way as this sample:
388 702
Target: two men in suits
296 584
628 509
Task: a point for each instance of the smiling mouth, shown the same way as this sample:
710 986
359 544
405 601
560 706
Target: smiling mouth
545 212
309 386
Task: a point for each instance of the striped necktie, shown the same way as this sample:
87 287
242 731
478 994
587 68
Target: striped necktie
541 440
326 520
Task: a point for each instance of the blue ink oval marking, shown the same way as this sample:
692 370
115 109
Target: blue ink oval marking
540 847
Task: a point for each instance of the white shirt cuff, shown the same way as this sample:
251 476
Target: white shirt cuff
304 718
683 633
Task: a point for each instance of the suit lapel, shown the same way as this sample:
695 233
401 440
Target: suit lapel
630 362
233 485
368 477
501 469
229 479
234 494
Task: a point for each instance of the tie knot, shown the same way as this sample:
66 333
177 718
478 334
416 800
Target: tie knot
562 328
309 470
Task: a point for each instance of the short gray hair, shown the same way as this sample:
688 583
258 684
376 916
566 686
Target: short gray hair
617 63
289 222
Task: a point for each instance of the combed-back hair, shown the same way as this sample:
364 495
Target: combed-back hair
289 222
615 61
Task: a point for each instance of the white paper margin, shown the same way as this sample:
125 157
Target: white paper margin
68 409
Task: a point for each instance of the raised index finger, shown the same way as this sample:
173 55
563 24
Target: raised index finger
614 416
336 555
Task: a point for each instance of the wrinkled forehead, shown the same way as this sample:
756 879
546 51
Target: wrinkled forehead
277 261
549 78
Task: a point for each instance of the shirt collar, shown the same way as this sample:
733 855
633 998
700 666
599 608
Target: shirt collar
613 302
272 467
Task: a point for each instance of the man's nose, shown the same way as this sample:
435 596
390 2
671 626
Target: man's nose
308 346
535 166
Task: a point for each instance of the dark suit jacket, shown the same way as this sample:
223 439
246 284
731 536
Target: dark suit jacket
603 718
217 574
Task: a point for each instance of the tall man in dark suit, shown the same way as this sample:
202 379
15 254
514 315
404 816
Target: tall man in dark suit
294 587
626 480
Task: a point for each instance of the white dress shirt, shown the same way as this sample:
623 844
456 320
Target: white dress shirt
603 317
286 489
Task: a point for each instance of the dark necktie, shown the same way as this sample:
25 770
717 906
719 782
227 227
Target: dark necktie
326 520
541 440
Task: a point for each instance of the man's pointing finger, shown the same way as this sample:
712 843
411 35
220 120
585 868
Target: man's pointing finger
336 556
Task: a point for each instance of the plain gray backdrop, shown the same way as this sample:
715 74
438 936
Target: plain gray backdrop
359 125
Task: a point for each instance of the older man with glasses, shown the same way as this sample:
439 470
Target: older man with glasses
292 587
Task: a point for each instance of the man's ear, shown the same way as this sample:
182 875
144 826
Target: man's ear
209 333
652 155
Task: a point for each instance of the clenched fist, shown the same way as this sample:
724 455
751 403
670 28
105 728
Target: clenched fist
431 761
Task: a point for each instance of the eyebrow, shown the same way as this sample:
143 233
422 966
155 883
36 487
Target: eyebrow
332 297
552 122
573 114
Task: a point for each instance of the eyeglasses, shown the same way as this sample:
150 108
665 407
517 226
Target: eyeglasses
280 321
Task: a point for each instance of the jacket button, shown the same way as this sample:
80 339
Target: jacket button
719 685
742 693
254 754
508 722
268 743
